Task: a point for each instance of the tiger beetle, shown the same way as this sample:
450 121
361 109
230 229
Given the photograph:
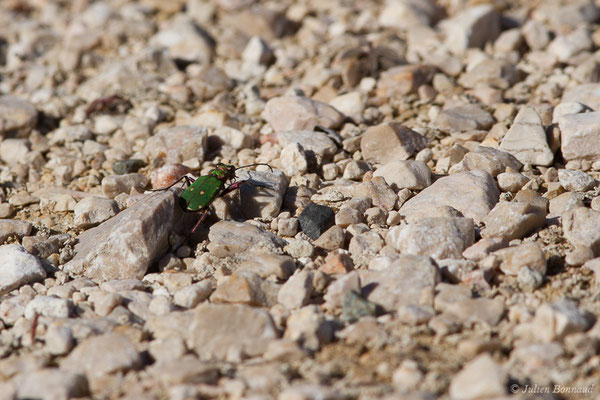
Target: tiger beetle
202 191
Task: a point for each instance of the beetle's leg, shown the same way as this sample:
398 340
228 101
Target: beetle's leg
232 187
202 217
188 180
237 184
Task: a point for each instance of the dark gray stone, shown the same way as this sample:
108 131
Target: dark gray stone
316 219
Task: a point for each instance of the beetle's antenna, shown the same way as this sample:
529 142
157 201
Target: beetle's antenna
252 165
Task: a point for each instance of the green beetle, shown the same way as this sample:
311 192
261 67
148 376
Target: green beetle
202 191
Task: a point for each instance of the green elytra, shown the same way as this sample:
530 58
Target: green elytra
206 188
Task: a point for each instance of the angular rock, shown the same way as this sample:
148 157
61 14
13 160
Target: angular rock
104 354
408 174
464 118
408 13
528 254
473 193
354 307
492 161
308 327
536 34
51 383
263 195
490 73
296 292
575 181
513 220
187 370
556 320
265 265
18 268
185 40
113 185
125 246
480 378
526 139
91 211
580 135
229 238
14 151
581 227
122 167
49 306
565 202
391 141
14 227
191 296
472 27
404 79
312 141
177 144
409 280
438 238
243 287
565 47
338 289
511 181
229 332
293 159
16 116
332 239
378 191
300 113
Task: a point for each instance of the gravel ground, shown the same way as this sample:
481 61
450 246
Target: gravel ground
427 226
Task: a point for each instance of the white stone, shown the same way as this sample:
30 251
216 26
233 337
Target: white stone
438 238
480 378
408 174
575 181
580 136
473 193
296 292
48 306
293 159
18 267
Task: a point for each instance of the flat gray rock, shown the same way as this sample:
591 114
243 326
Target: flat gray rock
292 113
586 93
104 354
438 238
391 141
51 383
493 161
317 142
229 238
14 227
464 118
126 245
225 332
18 268
581 227
580 136
513 220
177 144
263 195
405 174
473 193
409 280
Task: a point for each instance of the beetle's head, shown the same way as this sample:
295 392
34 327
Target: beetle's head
223 171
